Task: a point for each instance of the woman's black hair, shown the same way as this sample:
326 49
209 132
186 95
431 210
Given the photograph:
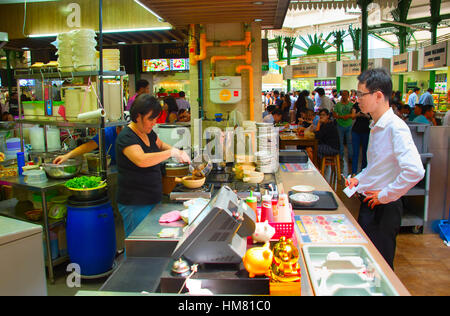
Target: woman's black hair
377 79
171 104
144 104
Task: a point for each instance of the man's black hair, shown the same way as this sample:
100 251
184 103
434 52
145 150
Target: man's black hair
377 79
416 89
320 91
142 83
277 112
430 90
426 108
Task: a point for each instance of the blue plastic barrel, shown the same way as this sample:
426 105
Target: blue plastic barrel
91 235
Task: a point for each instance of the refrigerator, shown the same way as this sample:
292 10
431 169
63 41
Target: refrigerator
22 268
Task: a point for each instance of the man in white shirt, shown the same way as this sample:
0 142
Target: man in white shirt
325 102
414 98
393 167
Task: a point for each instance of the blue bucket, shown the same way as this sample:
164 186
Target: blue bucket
91 235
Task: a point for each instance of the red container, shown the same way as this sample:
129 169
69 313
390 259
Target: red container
283 228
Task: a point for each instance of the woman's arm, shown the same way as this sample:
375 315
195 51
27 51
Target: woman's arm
80 150
143 160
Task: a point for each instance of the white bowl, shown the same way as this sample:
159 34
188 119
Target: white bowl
303 188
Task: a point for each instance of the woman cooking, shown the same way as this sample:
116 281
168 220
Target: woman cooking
139 153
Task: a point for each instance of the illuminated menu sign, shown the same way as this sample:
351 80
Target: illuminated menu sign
305 71
353 67
400 63
435 56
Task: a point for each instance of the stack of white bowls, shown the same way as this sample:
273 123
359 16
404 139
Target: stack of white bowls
64 53
84 54
111 59
267 154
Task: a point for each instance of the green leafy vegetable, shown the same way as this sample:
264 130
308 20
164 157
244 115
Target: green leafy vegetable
84 182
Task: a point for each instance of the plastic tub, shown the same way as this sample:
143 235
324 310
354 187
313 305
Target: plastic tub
13 144
35 176
28 110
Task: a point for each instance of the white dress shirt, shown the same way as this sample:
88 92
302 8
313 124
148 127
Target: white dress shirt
393 163
326 103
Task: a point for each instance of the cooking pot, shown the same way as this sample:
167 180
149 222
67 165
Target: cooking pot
190 182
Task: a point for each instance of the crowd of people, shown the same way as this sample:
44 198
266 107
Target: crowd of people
337 119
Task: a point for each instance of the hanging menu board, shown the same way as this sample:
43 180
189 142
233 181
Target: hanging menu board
400 63
305 71
435 56
353 67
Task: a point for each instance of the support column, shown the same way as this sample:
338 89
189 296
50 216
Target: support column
435 9
338 42
363 4
289 46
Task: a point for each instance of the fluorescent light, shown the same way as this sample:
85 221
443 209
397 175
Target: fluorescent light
43 35
258 3
139 29
146 8
258 20
121 43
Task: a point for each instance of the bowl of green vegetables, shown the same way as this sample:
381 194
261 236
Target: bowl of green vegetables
86 188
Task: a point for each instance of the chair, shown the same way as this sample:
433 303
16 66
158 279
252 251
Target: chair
334 163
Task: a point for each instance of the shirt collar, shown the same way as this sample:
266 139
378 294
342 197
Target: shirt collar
383 120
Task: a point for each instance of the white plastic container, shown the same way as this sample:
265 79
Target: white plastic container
53 139
284 209
37 139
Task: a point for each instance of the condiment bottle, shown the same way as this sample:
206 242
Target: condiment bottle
252 201
266 207
284 209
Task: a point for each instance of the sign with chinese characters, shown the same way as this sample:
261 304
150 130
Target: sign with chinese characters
400 63
435 56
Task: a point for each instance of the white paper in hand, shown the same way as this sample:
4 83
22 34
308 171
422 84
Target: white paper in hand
349 192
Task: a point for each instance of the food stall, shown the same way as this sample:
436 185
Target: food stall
327 253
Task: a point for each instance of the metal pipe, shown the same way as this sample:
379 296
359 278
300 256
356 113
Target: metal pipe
101 136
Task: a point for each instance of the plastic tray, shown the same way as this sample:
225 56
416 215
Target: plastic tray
350 271
444 230
326 202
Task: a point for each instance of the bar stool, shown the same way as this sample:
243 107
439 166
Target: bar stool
334 163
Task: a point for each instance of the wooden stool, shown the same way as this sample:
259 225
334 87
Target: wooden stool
333 162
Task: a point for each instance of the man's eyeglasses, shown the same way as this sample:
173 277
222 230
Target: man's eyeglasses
360 94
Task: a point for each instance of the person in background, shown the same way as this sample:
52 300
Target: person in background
172 109
393 167
343 114
334 96
327 134
360 137
142 86
182 103
278 116
415 112
139 154
414 98
277 101
111 133
317 99
286 107
405 112
269 117
292 112
300 106
427 115
407 96
325 102
184 116
306 118
353 96
309 101
427 98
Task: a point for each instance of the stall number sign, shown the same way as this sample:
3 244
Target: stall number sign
305 71
435 56
353 67
400 63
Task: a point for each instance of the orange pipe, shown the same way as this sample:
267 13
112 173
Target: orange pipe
251 96
246 42
192 45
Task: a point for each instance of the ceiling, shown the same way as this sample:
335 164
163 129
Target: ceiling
185 12
109 39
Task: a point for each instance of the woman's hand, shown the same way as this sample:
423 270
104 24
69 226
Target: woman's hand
180 155
60 159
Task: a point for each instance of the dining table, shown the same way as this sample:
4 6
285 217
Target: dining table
291 138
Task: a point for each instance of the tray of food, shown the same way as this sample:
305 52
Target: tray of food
315 200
